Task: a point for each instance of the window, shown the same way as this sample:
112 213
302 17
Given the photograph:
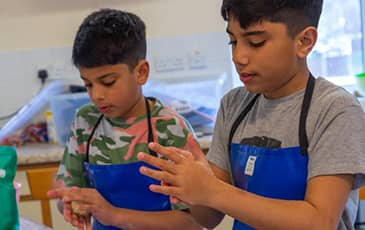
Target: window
338 54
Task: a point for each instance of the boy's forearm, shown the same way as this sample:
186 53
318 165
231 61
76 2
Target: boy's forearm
321 212
135 220
265 213
207 217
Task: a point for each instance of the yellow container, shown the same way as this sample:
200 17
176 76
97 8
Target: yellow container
51 129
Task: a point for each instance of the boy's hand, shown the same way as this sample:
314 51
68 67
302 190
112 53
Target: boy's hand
187 154
88 201
190 179
79 221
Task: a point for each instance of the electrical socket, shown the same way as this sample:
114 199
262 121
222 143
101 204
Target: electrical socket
42 75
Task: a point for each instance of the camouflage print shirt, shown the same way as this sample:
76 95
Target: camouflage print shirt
117 141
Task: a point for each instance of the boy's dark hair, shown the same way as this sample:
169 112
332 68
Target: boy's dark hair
295 14
108 37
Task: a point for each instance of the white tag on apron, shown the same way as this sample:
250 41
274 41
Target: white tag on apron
250 165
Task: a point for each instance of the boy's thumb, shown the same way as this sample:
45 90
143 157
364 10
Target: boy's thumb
51 194
194 147
56 193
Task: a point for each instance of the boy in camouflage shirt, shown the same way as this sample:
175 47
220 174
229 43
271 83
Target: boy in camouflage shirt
118 142
100 169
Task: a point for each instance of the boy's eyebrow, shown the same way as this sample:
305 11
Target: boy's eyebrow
249 33
100 77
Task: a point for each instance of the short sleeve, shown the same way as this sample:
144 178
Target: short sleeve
338 142
218 151
71 171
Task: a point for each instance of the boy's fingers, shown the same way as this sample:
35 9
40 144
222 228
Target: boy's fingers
166 190
176 200
194 147
77 221
74 220
55 193
67 215
85 208
183 153
168 152
157 162
82 195
77 198
88 222
61 192
165 177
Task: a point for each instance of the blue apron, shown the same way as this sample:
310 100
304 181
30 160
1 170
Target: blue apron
279 173
122 184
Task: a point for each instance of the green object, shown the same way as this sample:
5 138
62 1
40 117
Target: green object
360 82
9 215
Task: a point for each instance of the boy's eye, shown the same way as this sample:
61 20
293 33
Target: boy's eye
232 43
109 83
257 44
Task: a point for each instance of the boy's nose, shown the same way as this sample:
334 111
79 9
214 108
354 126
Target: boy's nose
240 57
97 94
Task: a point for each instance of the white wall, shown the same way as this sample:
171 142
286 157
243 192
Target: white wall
28 24
39 33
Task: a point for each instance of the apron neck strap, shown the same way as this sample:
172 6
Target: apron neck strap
239 120
303 139
149 124
91 136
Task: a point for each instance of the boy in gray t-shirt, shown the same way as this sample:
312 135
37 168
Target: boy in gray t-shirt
335 129
288 150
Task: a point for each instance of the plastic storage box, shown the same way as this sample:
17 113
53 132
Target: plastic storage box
64 108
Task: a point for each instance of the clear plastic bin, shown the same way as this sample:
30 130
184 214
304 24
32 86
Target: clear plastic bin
64 108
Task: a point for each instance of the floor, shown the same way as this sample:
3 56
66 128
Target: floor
31 210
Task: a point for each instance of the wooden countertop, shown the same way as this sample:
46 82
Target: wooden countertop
39 153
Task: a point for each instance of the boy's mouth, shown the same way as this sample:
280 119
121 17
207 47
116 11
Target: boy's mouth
245 77
104 109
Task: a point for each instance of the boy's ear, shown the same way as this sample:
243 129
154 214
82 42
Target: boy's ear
306 40
142 71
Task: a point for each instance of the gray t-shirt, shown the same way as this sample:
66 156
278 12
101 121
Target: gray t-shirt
335 129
